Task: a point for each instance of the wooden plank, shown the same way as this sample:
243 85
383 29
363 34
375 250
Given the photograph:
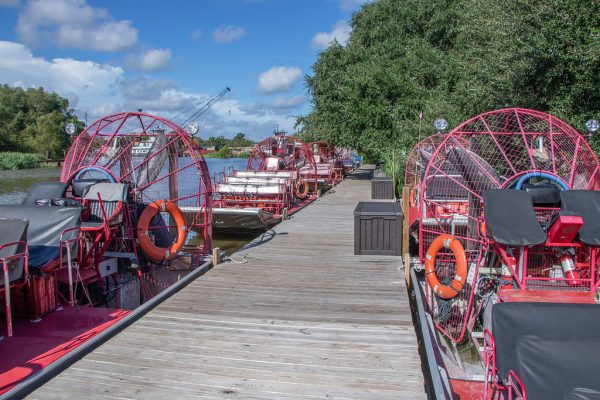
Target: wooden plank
302 318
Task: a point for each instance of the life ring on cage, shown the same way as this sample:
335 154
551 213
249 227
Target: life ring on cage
447 242
143 225
301 189
335 175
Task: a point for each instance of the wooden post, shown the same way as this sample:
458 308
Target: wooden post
216 256
405 228
405 218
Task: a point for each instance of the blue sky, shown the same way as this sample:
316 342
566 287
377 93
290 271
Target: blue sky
164 56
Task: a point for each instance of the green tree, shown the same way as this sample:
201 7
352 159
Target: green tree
451 58
33 120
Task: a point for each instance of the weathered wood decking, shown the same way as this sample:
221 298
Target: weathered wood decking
303 318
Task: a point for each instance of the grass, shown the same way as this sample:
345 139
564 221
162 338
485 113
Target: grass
14 160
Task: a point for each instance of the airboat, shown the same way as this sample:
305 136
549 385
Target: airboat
503 220
281 177
119 227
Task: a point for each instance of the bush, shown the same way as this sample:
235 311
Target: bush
14 160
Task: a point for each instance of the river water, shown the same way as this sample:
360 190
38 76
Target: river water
14 186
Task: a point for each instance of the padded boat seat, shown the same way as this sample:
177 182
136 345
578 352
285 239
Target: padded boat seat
585 203
543 194
81 186
255 181
112 195
12 230
510 219
513 320
286 174
250 189
554 368
44 190
45 227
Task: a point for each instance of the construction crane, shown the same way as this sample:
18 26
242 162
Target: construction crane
208 104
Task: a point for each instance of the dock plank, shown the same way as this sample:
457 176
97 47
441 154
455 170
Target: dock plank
298 316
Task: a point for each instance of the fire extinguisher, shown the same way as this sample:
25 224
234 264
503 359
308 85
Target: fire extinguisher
568 267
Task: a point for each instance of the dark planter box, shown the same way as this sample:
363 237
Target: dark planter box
378 228
382 188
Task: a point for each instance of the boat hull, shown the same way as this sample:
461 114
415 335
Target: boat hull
241 220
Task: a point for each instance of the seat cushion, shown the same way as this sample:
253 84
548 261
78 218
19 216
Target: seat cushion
511 321
510 219
554 368
585 203
44 190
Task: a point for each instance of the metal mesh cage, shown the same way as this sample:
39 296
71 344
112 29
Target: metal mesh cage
492 150
157 159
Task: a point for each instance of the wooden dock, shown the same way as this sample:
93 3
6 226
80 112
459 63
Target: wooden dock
303 318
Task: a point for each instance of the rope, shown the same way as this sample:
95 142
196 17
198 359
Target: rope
244 260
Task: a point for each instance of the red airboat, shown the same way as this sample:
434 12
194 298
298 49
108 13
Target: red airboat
505 213
133 202
282 176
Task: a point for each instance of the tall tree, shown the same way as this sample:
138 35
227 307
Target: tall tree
452 58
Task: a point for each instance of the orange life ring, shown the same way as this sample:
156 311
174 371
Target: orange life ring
335 175
301 194
447 242
153 251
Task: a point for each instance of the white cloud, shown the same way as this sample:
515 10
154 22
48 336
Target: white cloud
100 89
287 102
156 95
278 106
340 32
196 35
228 33
151 60
85 83
278 79
73 23
10 3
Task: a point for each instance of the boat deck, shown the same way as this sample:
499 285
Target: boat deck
302 318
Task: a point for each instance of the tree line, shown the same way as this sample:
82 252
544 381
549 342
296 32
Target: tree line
33 121
218 142
452 59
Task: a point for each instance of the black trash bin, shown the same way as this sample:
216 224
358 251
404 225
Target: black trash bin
378 228
382 188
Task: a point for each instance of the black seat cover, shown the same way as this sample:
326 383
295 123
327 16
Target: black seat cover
81 186
12 230
511 321
510 219
44 190
45 227
543 194
587 204
554 368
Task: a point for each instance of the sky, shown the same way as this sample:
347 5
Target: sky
165 56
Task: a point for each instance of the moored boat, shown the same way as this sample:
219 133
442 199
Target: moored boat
79 254
282 176
502 218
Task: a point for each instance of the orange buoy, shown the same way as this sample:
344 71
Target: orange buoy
153 251
335 175
448 242
301 190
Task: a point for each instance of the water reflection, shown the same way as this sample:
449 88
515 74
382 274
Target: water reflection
14 186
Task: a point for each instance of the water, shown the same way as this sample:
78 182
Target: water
14 186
